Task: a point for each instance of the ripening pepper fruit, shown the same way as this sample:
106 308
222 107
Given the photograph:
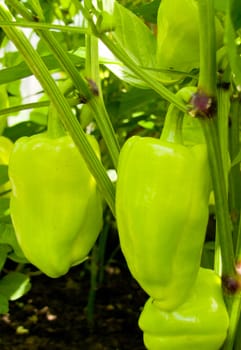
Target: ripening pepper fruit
200 323
162 196
55 206
162 211
6 146
178 37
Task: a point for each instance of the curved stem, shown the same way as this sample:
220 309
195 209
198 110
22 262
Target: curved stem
172 129
55 127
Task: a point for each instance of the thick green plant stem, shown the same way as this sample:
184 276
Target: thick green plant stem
97 103
55 126
215 129
89 95
92 61
69 120
220 194
234 175
207 86
234 315
207 76
223 102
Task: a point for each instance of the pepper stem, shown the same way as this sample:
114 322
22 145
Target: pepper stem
172 129
55 127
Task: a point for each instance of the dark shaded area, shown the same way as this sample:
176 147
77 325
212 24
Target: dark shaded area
53 315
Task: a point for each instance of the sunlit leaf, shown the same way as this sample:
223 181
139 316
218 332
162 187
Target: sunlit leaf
135 39
14 285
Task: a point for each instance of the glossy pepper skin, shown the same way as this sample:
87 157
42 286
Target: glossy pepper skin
162 198
6 146
200 323
55 206
178 36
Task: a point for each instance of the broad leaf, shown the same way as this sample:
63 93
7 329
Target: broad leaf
221 5
148 11
27 128
135 39
4 250
7 236
14 285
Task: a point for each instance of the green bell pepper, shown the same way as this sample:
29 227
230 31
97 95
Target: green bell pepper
200 323
6 146
162 198
55 205
178 37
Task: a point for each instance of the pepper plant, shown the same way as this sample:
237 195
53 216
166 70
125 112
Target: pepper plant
170 178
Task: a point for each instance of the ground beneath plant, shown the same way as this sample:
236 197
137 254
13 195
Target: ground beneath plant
53 315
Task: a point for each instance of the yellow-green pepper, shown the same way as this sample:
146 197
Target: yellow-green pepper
162 198
6 146
200 323
55 205
178 37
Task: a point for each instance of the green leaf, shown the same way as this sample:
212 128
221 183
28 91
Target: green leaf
3 174
208 255
21 70
27 128
3 304
135 39
233 48
237 159
221 5
4 250
7 236
148 11
14 285
235 13
134 36
4 206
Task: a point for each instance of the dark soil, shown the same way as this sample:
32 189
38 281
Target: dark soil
53 315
